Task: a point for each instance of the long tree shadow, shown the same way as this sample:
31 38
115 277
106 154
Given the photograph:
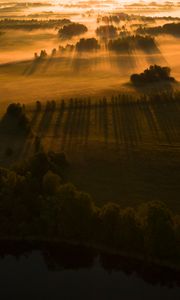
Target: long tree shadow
128 123
79 121
35 65
46 119
57 130
105 121
155 57
87 121
28 147
67 124
145 108
115 121
83 122
166 118
72 132
124 62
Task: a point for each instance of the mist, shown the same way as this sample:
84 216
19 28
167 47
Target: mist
84 73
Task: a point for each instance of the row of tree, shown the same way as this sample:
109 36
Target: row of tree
121 17
32 24
169 28
125 43
132 42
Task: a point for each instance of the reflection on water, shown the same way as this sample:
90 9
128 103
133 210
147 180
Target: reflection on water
75 273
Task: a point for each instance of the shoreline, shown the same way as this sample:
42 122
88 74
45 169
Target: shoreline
40 243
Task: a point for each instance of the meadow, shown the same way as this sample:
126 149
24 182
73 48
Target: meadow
70 73
124 149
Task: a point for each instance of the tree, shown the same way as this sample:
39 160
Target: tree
153 74
38 106
110 219
15 120
73 29
87 45
131 231
77 210
51 183
54 52
43 54
159 231
106 31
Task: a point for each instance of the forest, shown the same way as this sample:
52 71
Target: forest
37 202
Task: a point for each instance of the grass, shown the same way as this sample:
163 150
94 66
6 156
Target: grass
78 75
125 152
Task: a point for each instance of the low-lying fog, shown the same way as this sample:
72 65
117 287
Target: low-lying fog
73 72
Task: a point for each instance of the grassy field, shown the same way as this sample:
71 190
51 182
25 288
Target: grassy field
119 150
77 74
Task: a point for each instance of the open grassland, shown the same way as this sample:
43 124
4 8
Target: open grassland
120 150
77 76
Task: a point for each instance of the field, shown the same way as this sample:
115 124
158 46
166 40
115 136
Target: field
119 150
72 74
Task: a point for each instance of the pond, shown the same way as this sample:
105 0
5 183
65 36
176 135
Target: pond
74 273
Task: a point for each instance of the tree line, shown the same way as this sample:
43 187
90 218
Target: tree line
169 28
32 24
125 43
37 201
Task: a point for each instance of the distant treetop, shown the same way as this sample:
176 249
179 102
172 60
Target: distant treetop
152 75
74 29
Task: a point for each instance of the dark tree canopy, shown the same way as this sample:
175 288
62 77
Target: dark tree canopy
87 45
32 24
131 42
106 31
169 28
37 201
15 120
74 29
120 45
152 75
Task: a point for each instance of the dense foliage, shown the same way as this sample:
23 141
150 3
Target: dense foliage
153 74
32 24
36 201
169 28
132 42
121 17
15 120
106 31
87 45
74 29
